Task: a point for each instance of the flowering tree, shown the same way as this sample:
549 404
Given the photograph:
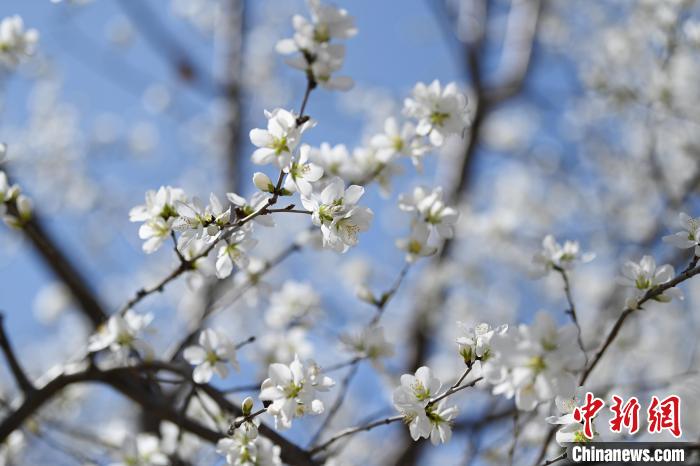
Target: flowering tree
286 314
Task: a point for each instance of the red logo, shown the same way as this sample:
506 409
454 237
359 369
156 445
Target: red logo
587 412
665 415
661 415
626 415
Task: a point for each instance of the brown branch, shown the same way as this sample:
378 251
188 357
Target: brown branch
15 367
119 379
61 265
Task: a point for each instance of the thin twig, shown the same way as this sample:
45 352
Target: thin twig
354 430
388 295
555 460
572 311
514 444
239 422
344 388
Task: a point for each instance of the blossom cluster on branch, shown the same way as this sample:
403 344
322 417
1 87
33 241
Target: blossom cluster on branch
449 363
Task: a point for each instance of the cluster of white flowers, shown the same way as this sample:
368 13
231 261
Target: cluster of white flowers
430 215
122 336
440 111
292 390
168 210
315 54
534 363
335 210
554 255
214 354
158 215
475 345
425 419
16 43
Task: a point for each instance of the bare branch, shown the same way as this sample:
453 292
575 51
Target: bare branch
20 376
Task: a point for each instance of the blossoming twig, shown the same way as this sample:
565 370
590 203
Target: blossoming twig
651 294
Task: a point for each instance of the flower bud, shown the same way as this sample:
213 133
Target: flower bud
24 206
365 294
263 182
247 406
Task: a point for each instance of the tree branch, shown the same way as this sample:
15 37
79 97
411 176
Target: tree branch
20 376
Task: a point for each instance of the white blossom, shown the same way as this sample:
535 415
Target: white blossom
571 431
396 141
476 343
302 173
643 276
161 203
158 215
431 209
689 237
333 159
336 212
311 42
214 354
554 255
154 232
234 251
122 336
425 419
277 143
16 43
416 245
197 221
292 389
440 112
